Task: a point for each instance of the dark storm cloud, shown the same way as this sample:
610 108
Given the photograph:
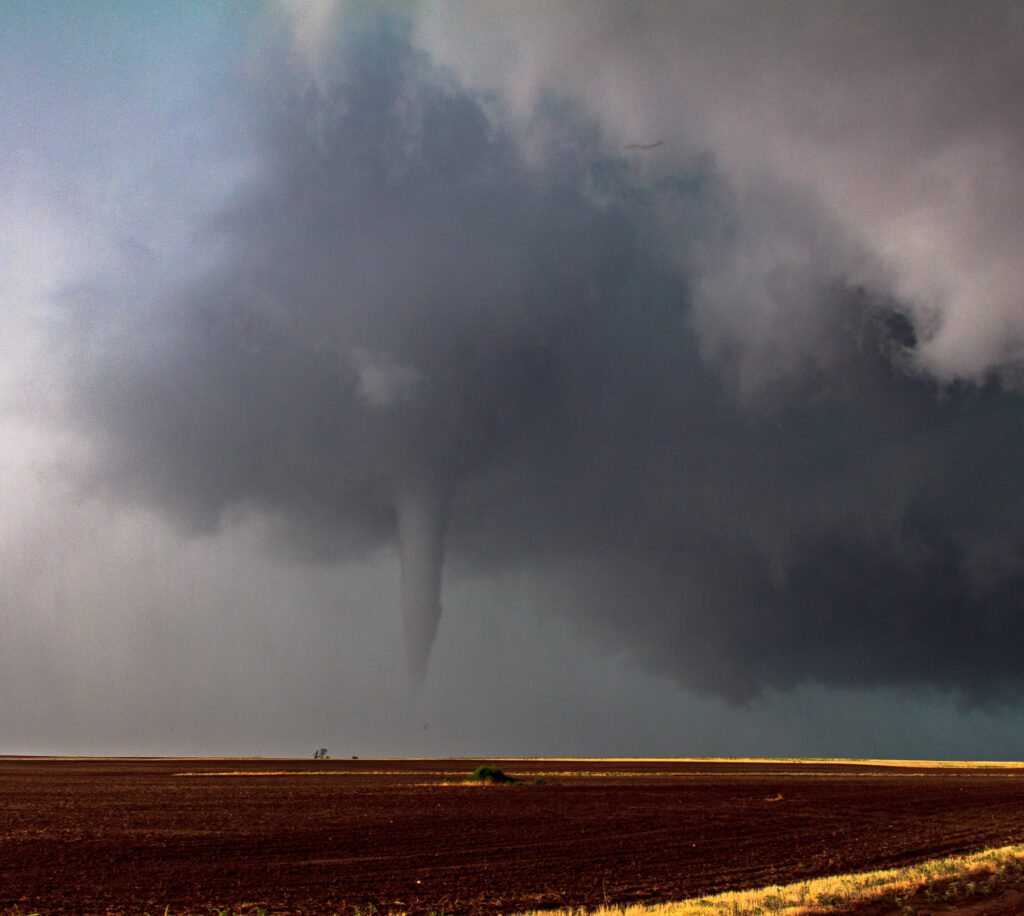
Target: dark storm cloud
902 120
423 320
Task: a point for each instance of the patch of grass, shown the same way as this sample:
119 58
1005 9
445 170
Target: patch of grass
947 881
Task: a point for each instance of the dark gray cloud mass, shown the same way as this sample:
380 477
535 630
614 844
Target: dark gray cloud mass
429 321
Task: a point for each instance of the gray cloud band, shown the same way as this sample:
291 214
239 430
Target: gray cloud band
517 352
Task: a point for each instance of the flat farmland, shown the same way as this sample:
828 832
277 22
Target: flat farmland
141 835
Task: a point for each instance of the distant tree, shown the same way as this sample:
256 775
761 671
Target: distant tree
321 754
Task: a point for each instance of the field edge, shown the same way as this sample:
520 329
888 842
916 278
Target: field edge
946 882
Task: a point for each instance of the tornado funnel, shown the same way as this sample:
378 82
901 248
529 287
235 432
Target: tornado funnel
422 515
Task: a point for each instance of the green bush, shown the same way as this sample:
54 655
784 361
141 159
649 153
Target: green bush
491 774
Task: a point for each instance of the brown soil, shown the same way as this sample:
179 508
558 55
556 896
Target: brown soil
304 837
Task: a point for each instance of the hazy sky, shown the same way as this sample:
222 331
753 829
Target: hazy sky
672 353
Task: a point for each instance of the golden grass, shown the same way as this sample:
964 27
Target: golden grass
950 877
858 761
286 773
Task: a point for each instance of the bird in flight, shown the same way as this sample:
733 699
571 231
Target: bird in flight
644 145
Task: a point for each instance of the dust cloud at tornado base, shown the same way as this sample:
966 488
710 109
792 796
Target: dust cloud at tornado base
715 424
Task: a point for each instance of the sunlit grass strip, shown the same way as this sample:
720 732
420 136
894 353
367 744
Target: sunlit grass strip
1005 863
289 773
349 774
858 761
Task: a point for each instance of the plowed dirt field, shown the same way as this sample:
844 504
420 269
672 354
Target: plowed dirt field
302 837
